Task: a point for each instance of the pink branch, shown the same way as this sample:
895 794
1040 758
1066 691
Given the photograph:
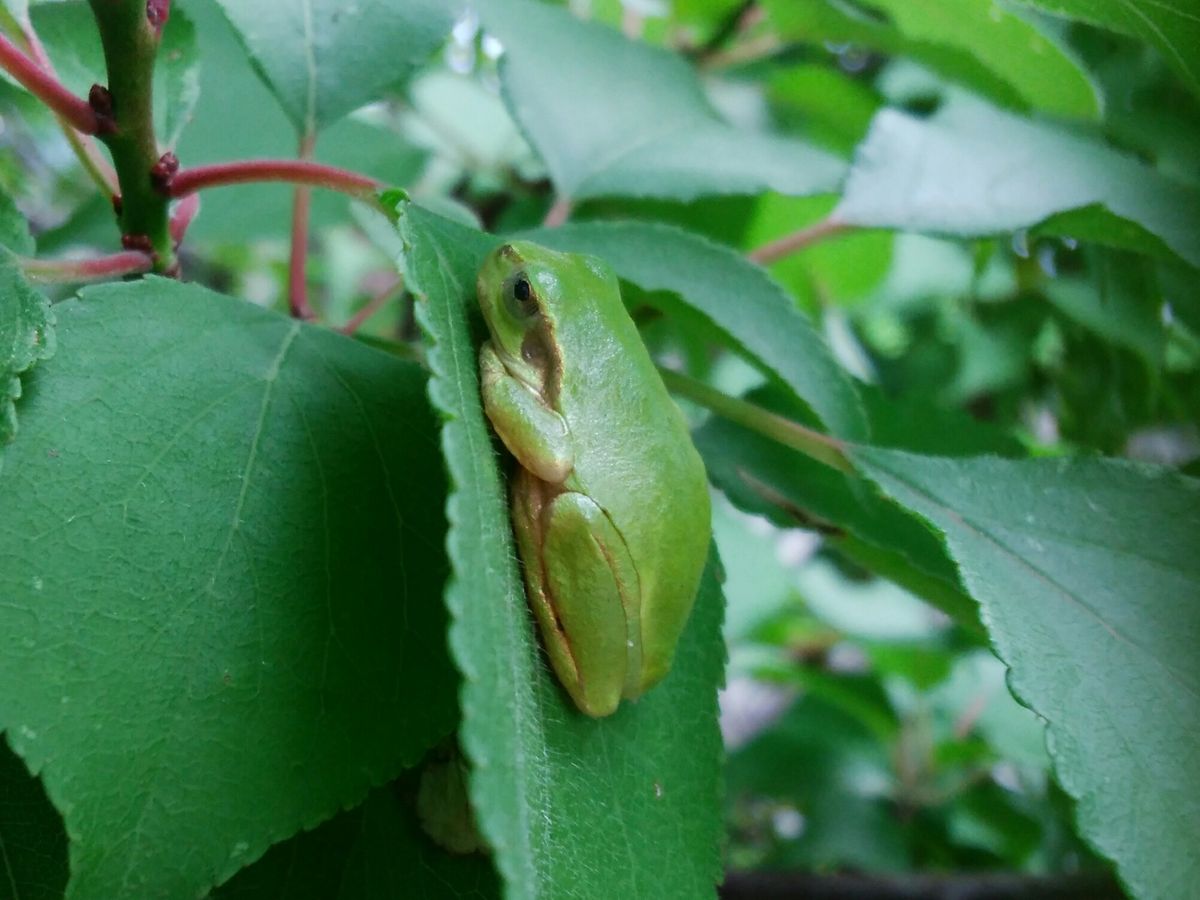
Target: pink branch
47 88
292 171
182 217
371 307
298 260
558 213
100 268
797 241
93 161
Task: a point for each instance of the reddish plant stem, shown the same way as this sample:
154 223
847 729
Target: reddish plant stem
93 161
77 271
43 85
182 217
298 262
293 171
749 51
371 307
558 213
633 23
798 240
969 716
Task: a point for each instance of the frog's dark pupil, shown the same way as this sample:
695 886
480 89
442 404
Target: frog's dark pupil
522 291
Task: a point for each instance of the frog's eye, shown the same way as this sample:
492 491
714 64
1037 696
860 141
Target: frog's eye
522 291
522 298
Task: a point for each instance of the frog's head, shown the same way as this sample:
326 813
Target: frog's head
519 288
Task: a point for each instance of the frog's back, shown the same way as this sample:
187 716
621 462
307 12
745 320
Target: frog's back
634 457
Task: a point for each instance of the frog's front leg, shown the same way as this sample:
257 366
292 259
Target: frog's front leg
533 432
584 591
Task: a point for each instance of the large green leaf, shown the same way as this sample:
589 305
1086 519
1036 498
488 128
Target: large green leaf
325 58
1043 73
612 116
69 32
748 308
26 331
573 807
220 583
958 41
973 170
1173 26
831 23
1088 575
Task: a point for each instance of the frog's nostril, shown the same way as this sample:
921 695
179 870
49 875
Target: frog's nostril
509 252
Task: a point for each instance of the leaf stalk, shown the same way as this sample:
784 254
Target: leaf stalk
43 85
290 171
821 447
81 271
798 240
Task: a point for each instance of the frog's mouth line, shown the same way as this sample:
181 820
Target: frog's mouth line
538 364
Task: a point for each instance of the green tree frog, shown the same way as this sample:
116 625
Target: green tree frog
609 497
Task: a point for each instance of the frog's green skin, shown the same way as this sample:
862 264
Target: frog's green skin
610 501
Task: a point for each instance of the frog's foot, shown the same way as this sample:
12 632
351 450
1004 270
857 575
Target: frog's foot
584 593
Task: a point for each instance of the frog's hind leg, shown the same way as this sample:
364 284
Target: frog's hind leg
585 594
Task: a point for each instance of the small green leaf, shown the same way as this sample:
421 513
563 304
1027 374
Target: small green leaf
611 116
26 336
830 23
1098 225
220 583
737 298
325 58
375 851
1043 73
973 170
69 32
546 778
1088 575
1173 26
14 230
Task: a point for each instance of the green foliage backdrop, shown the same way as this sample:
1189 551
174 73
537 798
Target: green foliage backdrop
924 280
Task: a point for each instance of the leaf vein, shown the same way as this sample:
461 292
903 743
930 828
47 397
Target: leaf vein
981 532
